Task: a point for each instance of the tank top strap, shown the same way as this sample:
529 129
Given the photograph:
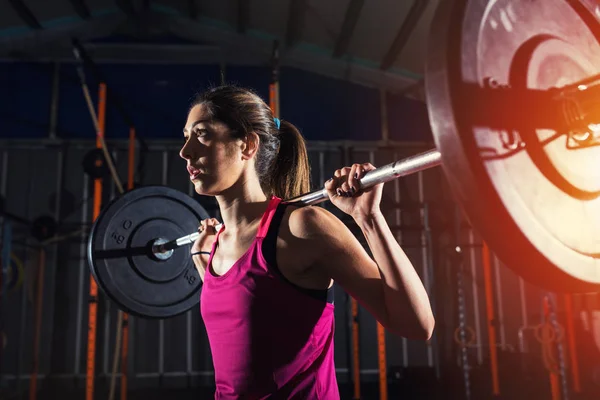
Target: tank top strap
263 227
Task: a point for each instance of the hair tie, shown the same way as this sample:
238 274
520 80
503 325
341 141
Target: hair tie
277 122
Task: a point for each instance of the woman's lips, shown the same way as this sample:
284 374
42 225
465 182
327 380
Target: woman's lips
193 172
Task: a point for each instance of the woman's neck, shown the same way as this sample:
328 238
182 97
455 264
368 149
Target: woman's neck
242 209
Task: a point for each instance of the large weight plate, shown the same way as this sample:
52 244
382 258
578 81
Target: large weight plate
119 257
537 205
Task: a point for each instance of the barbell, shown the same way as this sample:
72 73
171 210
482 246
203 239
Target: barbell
513 98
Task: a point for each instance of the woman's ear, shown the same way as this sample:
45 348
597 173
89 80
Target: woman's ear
250 145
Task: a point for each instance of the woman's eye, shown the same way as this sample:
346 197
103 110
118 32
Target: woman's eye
200 132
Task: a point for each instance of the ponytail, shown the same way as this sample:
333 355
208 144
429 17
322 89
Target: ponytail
290 173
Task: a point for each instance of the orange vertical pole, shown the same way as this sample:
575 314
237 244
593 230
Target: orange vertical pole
383 392
489 299
93 299
273 95
355 349
38 325
274 85
571 344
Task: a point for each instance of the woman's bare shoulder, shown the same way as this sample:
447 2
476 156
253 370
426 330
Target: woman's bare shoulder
312 222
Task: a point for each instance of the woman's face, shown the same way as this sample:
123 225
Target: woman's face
215 160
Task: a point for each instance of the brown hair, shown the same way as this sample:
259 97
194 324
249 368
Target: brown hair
282 160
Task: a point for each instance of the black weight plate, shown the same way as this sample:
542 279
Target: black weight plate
94 164
533 200
120 260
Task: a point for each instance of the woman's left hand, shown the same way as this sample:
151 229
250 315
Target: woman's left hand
344 192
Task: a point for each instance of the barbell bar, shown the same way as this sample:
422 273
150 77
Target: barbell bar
386 173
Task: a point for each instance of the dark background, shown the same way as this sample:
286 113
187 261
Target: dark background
355 91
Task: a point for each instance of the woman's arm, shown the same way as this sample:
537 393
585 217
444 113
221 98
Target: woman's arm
204 244
387 285
404 293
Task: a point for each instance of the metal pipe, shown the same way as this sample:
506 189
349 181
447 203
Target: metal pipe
386 173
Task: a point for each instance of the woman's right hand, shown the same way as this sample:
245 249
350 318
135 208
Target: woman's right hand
208 234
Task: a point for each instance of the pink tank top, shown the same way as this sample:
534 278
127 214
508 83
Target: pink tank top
268 338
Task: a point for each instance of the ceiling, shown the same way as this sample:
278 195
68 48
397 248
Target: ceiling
376 43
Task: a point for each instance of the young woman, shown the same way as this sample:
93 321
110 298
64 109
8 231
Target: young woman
268 273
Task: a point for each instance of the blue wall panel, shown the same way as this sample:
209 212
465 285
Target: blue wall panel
329 109
408 120
256 78
74 120
157 97
24 100
154 97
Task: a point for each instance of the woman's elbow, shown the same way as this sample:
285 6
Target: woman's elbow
418 331
424 331
428 328
427 324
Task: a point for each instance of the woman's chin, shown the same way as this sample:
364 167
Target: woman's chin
203 189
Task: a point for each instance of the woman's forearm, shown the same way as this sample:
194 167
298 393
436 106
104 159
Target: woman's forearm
200 262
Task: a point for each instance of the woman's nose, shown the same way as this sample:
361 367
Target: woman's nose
186 152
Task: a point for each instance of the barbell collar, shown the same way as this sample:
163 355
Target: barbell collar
584 104
173 244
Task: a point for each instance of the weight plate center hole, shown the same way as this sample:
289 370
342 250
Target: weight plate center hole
157 266
160 256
